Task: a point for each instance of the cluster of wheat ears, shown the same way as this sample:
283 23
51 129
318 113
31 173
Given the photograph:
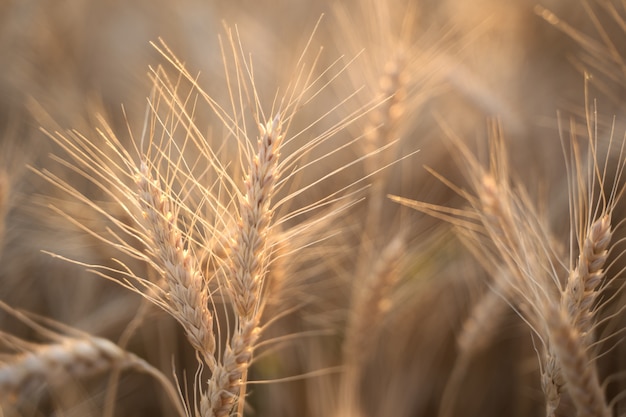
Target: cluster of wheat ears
310 249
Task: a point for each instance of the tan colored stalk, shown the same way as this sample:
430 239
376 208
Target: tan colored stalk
248 259
187 291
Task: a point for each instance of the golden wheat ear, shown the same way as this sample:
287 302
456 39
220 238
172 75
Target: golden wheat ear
245 279
197 239
70 355
187 288
505 232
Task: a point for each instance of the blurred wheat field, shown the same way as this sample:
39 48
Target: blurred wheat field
346 208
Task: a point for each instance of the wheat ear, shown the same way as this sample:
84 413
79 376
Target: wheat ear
371 300
564 346
248 258
504 232
578 372
76 358
577 303
484 318
188 294
584 282
4 203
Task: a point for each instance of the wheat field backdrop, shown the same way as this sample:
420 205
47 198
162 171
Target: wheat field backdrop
351 208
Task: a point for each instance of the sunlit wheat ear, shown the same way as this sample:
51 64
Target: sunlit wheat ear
585 280
552 380
249 248
595 190
244 281
506 234
188 215
73 358
579 372
69 356
560 317
152 235
187 288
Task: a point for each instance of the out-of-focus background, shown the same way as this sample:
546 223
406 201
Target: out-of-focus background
525 63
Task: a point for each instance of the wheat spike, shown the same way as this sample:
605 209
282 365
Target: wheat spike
75 358
584 281
371 301
578 372
248 248
247 260
187 293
